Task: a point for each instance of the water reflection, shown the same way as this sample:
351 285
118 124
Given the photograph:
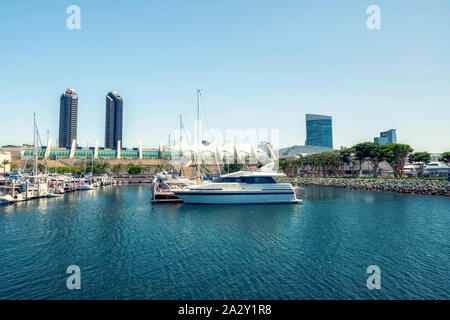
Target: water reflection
265 225
318 249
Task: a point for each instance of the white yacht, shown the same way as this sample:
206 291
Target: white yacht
86 186
52 193
242 187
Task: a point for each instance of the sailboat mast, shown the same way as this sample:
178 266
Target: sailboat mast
181 147
35 165
198 133
48 154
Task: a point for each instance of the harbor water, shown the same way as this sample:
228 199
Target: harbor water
127 248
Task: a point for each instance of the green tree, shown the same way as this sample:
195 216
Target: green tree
13 166
356 167
206 170
337 162
326 160
62 170
132 169
345 157
94 169
420 161
282 164
117 168
41 167
445 157
233 167
300 165
348 158
314 163
99 167
372 152
396 154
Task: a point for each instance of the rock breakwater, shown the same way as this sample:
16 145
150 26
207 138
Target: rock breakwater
412 186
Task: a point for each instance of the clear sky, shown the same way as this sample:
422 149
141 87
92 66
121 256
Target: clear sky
261 64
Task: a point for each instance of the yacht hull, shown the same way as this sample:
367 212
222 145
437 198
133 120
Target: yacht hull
6 199
87 187
53 195
195 197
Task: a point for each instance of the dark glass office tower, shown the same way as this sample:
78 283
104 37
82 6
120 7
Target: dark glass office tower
386 137
68 118
114 119
319 131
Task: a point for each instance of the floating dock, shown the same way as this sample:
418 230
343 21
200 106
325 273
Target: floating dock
165 197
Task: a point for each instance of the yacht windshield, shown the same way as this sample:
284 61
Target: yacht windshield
250 180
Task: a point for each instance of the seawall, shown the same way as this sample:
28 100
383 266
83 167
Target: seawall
412 186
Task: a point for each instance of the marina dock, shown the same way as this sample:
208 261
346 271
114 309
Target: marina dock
22 187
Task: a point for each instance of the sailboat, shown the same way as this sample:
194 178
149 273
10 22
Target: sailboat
37 184
242 187
85 184
164 184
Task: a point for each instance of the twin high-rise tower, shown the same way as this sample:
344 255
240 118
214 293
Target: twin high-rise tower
113 119
68 119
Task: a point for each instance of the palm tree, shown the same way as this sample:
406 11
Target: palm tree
4 164
117 168
41 167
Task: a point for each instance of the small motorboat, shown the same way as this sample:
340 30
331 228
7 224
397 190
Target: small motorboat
53 195
86 186
6 199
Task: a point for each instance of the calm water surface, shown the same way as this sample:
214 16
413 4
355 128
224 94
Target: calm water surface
128 249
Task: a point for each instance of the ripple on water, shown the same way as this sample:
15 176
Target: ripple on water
129 249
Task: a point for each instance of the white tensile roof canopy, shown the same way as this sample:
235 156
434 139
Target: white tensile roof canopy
227 149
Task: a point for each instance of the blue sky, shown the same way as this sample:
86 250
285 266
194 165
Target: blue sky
261 64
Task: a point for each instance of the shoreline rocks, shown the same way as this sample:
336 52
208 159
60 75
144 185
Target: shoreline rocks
410 186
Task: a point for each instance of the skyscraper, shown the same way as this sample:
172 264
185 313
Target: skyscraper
114 119
386 137
319 131
68 117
